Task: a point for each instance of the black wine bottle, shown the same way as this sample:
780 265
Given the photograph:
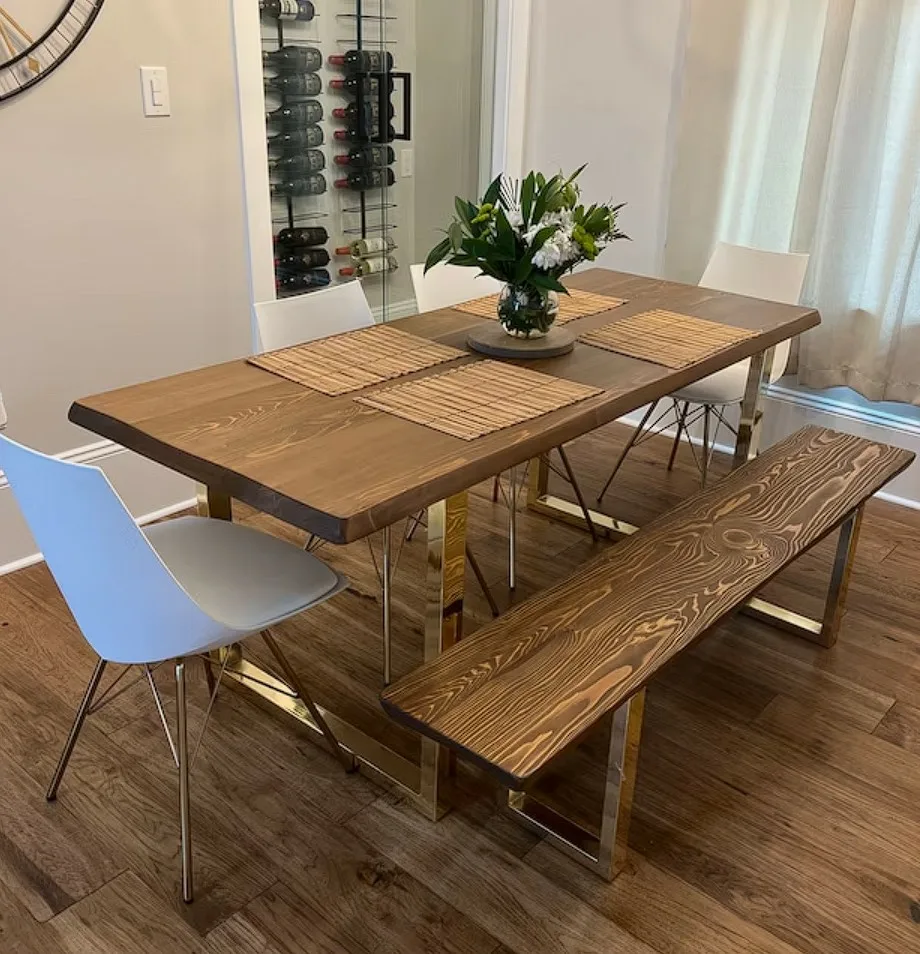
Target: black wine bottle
287 9
368 112
364 61
292 140
293 59
297 114
293 167
303 261
366 85
308 185
367 179
369 133
367 157
301 238
287 284
293 85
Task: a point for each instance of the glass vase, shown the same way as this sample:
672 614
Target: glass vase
527 312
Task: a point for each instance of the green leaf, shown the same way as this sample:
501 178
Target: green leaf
492 192
455 235
528 191
548 283
506 239
541 238
438 254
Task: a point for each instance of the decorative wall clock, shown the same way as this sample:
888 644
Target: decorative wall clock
36 36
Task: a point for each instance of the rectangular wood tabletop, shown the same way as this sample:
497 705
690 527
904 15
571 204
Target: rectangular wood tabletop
342 470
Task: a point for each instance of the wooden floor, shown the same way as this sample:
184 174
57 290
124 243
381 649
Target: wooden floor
777 811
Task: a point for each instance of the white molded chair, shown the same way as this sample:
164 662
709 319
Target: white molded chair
180 589
447 285
319 314
775 276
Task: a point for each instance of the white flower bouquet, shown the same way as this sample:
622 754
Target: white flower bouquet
528 235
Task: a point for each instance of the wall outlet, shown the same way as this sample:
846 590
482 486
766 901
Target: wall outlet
407 163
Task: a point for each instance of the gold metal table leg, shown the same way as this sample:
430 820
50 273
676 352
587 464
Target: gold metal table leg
422 781
604 854
747 444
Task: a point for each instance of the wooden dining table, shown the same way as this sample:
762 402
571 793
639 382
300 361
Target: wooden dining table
342 471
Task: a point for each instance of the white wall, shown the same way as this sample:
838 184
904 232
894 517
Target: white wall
122 256
603 78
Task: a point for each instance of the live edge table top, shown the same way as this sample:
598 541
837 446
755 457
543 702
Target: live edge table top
342 471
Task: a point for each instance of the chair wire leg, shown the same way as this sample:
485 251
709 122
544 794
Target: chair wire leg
346 758
185 813
681 424
579 496
481 580
75 729
512 529
625 452
496 487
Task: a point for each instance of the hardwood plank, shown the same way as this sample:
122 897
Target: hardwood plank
238 935
519 907
666 913
283 448
901 727
107 922
518 692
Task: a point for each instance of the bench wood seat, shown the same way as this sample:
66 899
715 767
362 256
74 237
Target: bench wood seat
523 688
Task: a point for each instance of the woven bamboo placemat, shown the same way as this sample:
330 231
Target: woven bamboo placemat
356 359
666 338
477 399
577 304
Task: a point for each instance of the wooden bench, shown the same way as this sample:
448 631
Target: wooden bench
519 691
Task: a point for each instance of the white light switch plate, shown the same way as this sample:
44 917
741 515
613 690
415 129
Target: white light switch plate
2 413
407 163
155 88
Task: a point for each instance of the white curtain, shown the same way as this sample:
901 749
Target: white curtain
800 131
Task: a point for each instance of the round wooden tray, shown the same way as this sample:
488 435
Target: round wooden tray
489 338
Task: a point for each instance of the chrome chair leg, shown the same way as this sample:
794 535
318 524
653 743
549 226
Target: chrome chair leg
185 814
75 729
346 758
512 529
636 434
681 425
579 496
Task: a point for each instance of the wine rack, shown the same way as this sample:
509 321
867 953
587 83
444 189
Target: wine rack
332 125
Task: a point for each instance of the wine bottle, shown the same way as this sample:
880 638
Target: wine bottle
287 9
367 157
295 85
368 112
371 266
301 238
366 85
292 167
297 114
369 133
286 284
362 248
367 179
292 140
364 61
293 59
308 185
303 261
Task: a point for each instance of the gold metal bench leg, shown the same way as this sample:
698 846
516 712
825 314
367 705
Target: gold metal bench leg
840 578
605 855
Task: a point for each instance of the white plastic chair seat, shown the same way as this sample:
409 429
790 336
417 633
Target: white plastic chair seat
724 387
246 579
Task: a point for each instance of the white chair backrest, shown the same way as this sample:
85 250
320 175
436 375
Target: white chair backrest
318 314
447 285
128 605
775 276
